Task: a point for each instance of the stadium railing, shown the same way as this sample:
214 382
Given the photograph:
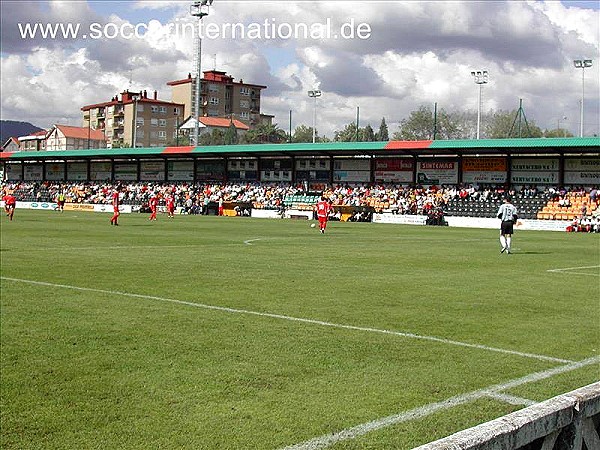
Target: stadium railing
567 422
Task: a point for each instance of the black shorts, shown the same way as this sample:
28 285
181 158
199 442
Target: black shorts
506 227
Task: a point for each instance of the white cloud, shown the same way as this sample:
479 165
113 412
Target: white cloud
418 53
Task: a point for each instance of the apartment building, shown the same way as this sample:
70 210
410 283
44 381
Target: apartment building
66 137
221 96
135 117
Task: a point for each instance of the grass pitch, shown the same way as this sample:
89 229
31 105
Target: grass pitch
240 333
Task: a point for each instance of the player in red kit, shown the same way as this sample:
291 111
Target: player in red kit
323 208
10 203
115 203
153 204
170 203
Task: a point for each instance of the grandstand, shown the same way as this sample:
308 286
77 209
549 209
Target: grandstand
293 176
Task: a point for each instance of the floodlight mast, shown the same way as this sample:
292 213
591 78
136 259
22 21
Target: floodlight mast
198 9
480 77
582 64
314 94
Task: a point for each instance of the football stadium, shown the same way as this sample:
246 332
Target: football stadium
235 324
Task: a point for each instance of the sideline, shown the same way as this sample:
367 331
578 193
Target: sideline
296 319
426 410
571 270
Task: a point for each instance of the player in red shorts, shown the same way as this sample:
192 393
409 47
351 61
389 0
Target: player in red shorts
115 203
170 202
153 204
10 203
323 208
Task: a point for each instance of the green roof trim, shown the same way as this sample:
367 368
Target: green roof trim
391 147
517 143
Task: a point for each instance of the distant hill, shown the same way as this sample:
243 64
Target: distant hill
10 128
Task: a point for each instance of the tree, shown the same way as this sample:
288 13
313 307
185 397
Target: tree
557 132
420 125
500 124
302 133
382 134
367 134
231 135
348 134
265 133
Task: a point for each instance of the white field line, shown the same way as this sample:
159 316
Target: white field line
297 319
249 241
426 410
511 399
572 270
115 247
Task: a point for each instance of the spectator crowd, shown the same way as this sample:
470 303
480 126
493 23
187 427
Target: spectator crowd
194 198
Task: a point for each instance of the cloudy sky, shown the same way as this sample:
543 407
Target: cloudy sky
386 57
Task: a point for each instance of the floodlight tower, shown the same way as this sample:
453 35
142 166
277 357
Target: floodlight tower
314 94
582 64
480 77
198 9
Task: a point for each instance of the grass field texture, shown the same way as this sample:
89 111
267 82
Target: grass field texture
240 333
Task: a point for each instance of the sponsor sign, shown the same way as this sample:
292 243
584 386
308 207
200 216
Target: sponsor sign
14 171
399 219
100 171
152 171
484 177
394 176
352 175
312 164
55 171
582 164
76 171
276 175
79 207
437 172
126 172
534 165
582 178
180 170
484 165
352 164
394 164
534 177
34 172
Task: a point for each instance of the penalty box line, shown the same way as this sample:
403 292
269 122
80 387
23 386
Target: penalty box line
426 410
296 319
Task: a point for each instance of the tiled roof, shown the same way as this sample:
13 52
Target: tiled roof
81 132
224 122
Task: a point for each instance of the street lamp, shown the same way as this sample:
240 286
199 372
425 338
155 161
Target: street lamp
198 9
314 94
564 119
582 64
480 77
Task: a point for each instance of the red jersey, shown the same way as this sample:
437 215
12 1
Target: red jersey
153 203
170 202
323 208
10 200
115 201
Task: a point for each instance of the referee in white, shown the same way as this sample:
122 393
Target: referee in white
508 214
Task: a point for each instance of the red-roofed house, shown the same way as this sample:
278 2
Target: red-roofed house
11 145
34 142
208 124
66 137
